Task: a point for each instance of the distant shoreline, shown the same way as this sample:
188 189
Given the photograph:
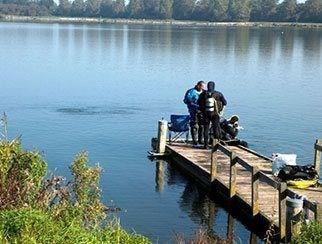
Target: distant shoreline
183 23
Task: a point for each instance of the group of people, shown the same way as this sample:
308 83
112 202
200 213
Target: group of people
206 106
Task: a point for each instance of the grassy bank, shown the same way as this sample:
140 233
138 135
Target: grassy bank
39 208
53 19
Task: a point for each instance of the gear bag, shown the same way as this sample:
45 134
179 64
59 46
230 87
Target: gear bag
295 172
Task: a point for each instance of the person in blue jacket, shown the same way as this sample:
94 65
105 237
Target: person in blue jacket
191 100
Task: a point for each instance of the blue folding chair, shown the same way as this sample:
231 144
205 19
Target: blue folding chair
179 124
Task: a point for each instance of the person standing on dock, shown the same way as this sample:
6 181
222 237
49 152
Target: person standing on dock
191 100
211 104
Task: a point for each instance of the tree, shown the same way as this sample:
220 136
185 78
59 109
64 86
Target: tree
204 10
183 9
220 10
263 10
166 9
78 8
312 11
93 8
64 8
287 10
119 8
106 9
239 10
151 9
135 9
49 4
255 10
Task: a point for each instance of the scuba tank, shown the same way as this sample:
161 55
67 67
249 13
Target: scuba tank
211 104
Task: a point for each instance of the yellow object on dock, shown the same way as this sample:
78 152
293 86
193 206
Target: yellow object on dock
302 184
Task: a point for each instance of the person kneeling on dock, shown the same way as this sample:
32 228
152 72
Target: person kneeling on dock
191 100
211 104
229 131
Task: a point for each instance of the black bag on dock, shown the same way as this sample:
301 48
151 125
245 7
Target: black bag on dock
290 172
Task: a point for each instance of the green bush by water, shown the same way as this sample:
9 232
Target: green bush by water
310 234
39 209
34 226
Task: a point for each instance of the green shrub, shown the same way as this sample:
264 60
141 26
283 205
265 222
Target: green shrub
36 209
21 175
34 226
310 234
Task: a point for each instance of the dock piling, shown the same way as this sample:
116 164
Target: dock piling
213 166
317 155
255 183
294 209
233 175
282 209
162 136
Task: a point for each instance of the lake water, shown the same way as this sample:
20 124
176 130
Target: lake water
102 88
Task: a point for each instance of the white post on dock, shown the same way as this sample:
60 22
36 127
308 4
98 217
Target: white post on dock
317 155
294 209
162 136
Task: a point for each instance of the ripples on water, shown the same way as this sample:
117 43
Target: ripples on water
117 110
102 88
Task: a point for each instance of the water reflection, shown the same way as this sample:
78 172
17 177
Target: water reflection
159 175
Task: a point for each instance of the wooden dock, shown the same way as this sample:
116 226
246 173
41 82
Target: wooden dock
246 176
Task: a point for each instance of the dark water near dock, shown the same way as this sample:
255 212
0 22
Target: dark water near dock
102 88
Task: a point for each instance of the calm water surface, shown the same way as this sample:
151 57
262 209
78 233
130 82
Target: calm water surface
102 88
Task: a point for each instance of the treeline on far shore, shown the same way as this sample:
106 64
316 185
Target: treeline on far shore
199 10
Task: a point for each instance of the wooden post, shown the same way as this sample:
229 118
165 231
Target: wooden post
253 238
230 227
317 156
162 136
318 213
213 169
282 208
293 218
233 175
255 184
211 216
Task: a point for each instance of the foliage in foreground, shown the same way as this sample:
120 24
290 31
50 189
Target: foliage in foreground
34 209
310 234
34 226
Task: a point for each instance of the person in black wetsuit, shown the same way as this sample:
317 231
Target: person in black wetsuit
229 131
229 128
211 103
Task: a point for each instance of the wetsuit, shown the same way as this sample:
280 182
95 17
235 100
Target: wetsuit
196 125
228 131
211 117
